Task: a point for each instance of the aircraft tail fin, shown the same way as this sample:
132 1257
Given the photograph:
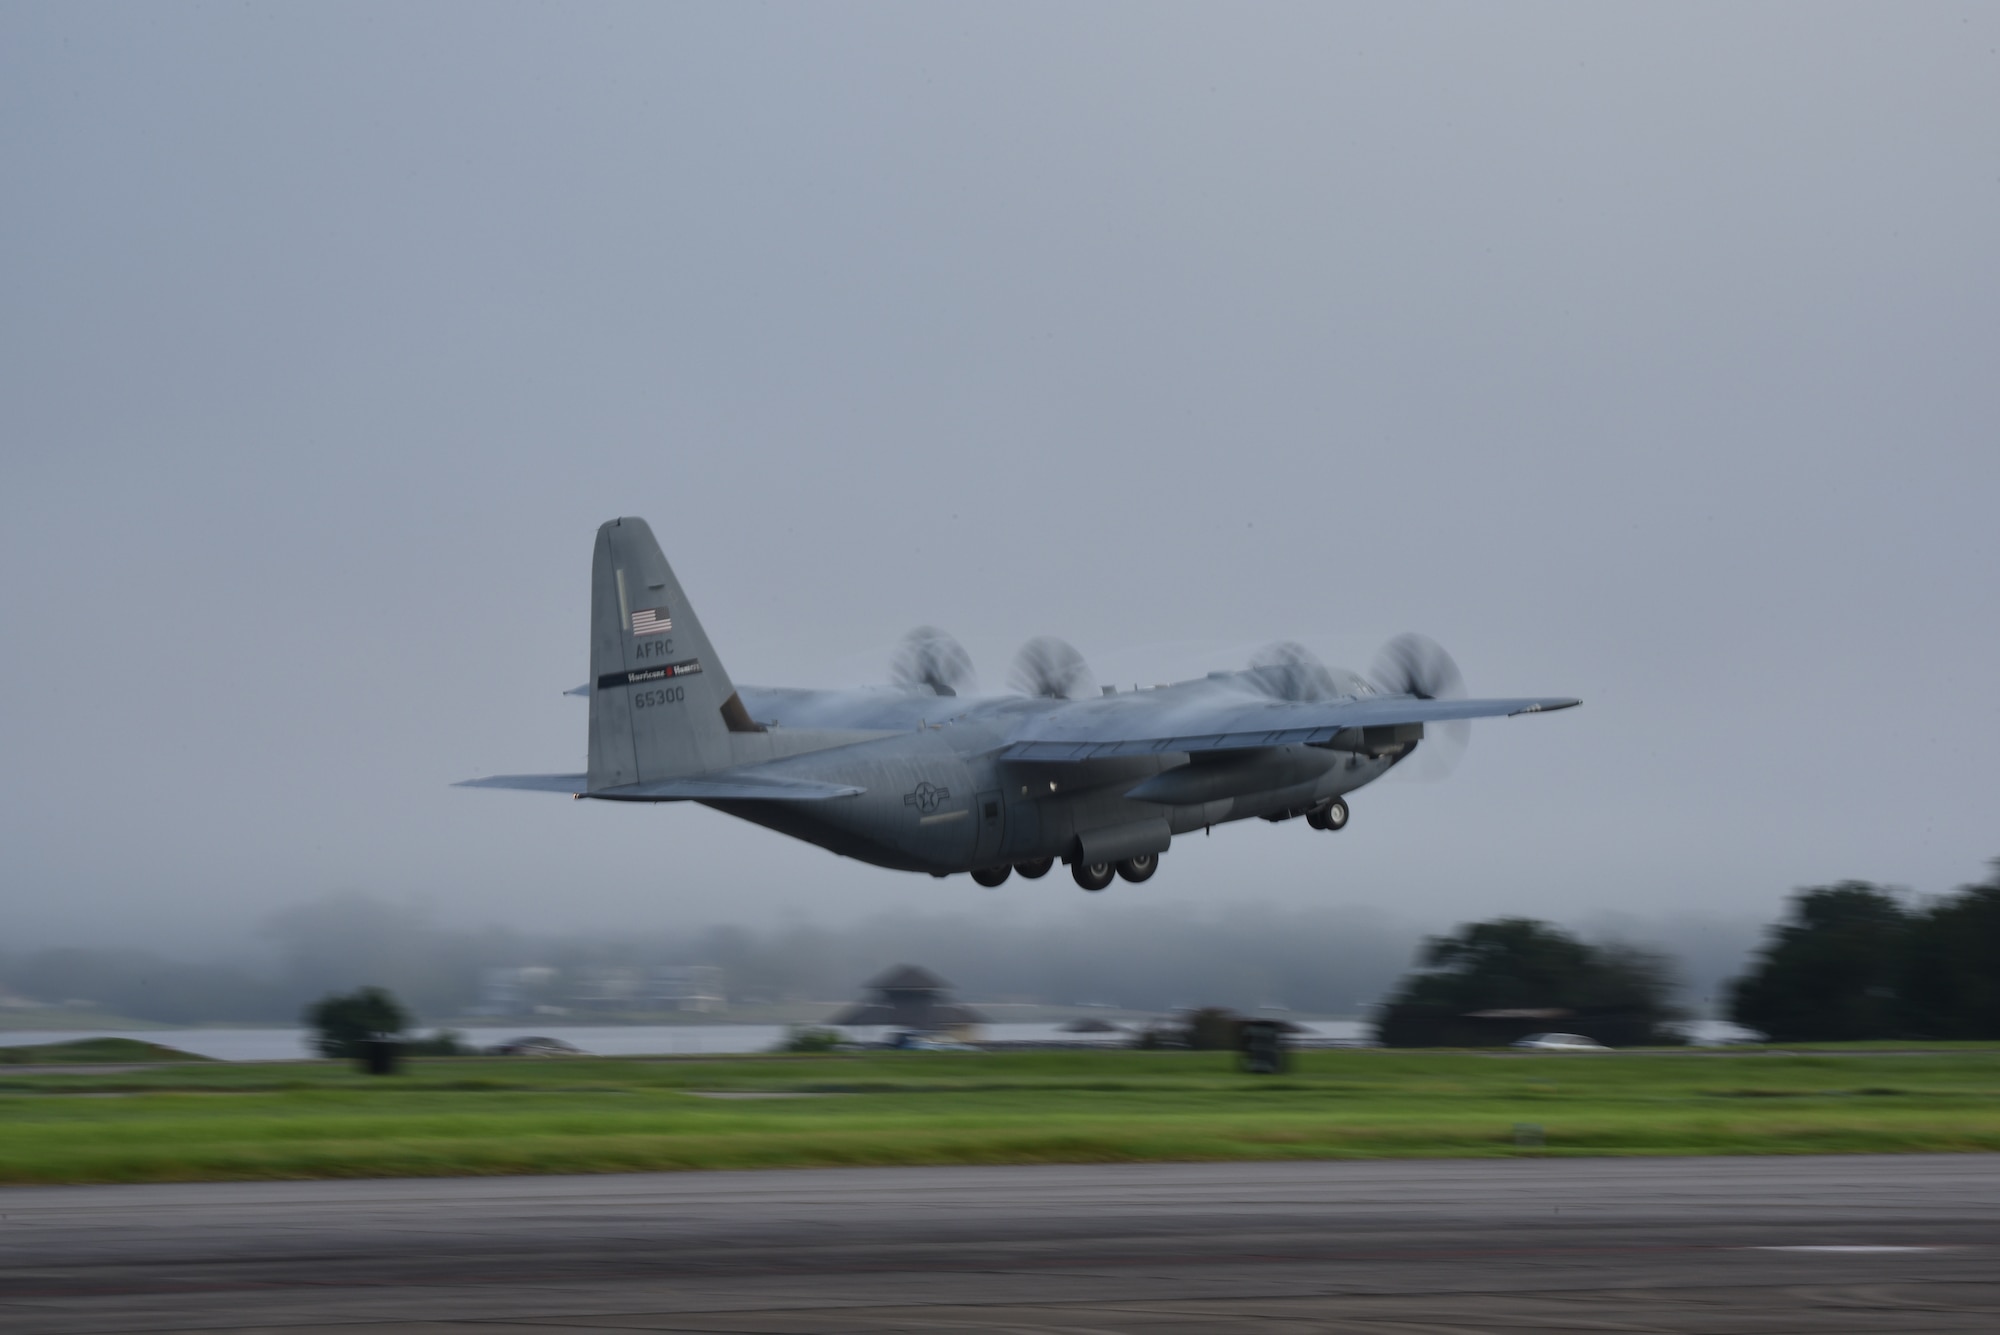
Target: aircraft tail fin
661 704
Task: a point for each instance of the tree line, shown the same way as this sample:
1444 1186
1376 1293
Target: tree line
1856 961
1493 982
1851 961
1847 961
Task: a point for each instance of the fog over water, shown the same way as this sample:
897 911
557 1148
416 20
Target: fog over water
1639 354
1149 958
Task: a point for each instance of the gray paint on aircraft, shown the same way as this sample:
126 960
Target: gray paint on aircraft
918 781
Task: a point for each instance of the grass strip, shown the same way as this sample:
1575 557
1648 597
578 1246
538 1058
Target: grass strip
446 1117
93 1051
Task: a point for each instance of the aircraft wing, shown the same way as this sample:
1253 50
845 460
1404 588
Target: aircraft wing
744 785
1126 726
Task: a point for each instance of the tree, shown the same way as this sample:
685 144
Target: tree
1212 1028
1519 962
1950 979
810 1038
1832 971
1511 962
343 1024
1522 964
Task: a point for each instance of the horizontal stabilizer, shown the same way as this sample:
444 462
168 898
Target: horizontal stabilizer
726 786
534 783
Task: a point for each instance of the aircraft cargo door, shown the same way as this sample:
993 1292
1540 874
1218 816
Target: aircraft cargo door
992 814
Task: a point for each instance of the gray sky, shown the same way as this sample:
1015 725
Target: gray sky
1650 355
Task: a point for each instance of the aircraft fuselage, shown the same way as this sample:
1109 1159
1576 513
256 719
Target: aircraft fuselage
940 799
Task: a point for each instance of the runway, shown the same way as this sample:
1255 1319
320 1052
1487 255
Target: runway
1696 1245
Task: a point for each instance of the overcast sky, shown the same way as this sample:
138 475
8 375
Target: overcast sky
1644 354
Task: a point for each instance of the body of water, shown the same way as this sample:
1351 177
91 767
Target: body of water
634 1040
288 1044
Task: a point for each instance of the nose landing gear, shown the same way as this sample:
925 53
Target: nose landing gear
1034 871
991 876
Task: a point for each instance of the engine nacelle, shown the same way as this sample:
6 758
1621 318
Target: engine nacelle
1382 739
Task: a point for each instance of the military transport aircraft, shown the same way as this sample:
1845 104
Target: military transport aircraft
918 778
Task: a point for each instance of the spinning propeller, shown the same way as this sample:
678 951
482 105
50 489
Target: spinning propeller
931 659
1413 664
1051 669
1290 671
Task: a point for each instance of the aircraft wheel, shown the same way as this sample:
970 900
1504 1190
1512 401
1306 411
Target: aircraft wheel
1091 875
1034 871
1139 868
1333 817
991 876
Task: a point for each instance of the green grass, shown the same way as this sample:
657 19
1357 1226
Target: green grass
475 1116
93 1051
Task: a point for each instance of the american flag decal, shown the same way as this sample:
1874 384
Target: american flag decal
652 621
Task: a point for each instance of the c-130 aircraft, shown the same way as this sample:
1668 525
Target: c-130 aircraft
918 778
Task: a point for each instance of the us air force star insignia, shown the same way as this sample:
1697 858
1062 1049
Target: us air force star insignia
926 796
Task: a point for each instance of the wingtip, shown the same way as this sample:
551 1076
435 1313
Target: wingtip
1545 707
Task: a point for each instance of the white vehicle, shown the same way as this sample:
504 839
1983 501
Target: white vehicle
1560 1043
913 1041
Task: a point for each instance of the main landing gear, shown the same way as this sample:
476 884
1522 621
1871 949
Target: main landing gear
1092 875
1029 871
1089 875
1332 816
1097 875
1139 868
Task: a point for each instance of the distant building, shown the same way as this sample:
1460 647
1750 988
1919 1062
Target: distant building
908 997
686 987
608 987
612 988
514 990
